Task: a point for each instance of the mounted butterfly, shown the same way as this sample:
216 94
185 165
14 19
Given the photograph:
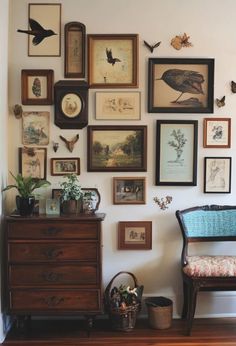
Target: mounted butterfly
152 47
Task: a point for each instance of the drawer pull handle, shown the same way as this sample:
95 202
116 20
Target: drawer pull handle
53 301
52 277
51 231
53 253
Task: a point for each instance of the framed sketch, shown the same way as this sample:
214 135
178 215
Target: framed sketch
118 105
113 60
37 87
176 152
217 133
64 166
129 190
180 85
45 19
35 128
135 235
217 174
32 162
117 148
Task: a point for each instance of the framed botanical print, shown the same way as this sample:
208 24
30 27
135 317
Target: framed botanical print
129 190
135 235
217 174
217 133
35 128
32 162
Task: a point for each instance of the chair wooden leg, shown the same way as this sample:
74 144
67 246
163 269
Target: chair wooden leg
185 300
191 307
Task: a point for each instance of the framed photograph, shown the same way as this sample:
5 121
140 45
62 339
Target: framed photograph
52 206
129 190
180 85
64 166
176 152
135 235
217 133
217 174
37 87
91 195
113 60
45 19
32 162
118 105
35 128
117 148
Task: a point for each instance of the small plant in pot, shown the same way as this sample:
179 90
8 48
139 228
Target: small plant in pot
71 195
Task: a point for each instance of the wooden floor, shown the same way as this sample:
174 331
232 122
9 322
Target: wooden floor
213 332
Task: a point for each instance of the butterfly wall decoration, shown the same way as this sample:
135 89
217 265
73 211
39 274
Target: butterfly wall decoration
152 47
233 87
220 102
179 41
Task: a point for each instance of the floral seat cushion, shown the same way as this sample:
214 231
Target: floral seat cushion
206 266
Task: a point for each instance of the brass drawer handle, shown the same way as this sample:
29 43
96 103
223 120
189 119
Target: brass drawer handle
52 253
52 277
52 231
53 301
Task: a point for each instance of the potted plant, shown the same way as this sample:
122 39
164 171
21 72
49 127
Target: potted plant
71 195
25 186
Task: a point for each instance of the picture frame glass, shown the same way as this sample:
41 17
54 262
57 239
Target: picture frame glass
217 175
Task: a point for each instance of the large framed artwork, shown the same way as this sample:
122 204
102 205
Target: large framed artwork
176 152
217 133
217 174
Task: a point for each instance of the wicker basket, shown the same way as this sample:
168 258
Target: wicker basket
160 310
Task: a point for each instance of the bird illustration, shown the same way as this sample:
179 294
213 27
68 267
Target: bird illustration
110 58
152 47
70 144
37 31
220 102
185 81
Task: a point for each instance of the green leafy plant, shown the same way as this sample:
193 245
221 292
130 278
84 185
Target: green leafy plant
71 189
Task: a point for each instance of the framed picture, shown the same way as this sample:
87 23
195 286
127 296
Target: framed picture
75 50
32 162
217 133
56 193
113 60
217 174
35 128
64 166
176 152
129 190
135 235
91 195
45 19
37 87
118 105
117 148
180 85
52 206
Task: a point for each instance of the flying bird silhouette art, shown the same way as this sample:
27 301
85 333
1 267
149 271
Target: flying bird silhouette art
110 58
152 47
37 31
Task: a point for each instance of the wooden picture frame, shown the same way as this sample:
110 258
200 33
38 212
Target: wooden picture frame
217 174
35 128
64 166
180 85
135 235
37 87
217 133
129 190
96 197
56 193
32 162
176 152
113 60
117 148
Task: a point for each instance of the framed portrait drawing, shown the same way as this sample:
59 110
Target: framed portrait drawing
176 152
113 60
64 166
217 174
129 190
217 133
180 85
32 162
117 148
134 235
35 128
37 87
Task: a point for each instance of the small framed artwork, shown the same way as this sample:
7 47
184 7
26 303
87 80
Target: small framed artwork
176 152
180 85
113 60
135 235
45 22
217 133
52 206
64 166
118 105
56 193
117 148
129 190
37 87
32 162
35 128
217 174
91 196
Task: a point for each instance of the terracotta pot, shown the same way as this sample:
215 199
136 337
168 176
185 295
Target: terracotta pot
24 205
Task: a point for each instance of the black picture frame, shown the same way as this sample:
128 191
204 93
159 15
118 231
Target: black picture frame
217 174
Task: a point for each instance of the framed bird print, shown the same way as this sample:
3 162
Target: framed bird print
180 85
113 61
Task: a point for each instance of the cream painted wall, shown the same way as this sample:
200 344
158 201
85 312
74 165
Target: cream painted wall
211 25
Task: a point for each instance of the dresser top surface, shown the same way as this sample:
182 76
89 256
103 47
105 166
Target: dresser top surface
44 217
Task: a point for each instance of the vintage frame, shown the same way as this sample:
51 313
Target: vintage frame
217 174
37 87
35 128
58 163
121 71
117 148
32 162
49 17
166 97
52 206
135 235
75 33
176 164
217 133
114 105
129 190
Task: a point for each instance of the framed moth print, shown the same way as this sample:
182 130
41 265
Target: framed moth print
176 152
135 235
35 128
217 174
32 162
65 166
217 133
180 85
113 60
129 190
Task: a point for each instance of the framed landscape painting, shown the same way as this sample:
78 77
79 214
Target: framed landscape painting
35 127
